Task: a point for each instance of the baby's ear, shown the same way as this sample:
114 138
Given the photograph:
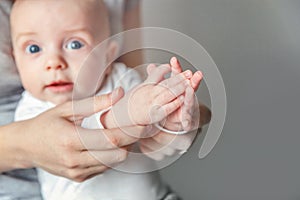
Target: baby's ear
112 51
12 53
111 55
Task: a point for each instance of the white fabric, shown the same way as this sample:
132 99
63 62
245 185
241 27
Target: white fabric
22 184
112 184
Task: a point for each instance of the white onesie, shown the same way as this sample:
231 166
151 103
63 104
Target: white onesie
110 185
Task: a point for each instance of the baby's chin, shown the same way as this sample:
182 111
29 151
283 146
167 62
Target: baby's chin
59 99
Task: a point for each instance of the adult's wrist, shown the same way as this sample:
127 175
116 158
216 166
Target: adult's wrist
13 147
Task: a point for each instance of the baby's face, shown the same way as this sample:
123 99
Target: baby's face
51 40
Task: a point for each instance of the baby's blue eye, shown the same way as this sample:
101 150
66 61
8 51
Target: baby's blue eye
33 48
74 45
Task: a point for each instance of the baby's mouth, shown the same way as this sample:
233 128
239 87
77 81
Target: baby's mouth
60 86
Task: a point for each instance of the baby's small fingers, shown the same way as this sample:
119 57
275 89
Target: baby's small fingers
176 67
196 79
150 68
157 73
172 106
167 94
175 80
159 112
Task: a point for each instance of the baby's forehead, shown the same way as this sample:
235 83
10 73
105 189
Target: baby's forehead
87 5
64 13
96 9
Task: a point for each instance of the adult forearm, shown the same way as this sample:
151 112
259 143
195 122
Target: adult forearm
12 154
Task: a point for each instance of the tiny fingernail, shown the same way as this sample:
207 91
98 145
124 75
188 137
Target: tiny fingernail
188 73
115 94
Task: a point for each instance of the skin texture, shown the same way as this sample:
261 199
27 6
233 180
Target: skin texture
186 117
150 146
50 72
58 148
61 25
50 140
181 115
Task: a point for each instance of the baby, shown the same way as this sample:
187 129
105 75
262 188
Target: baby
54 46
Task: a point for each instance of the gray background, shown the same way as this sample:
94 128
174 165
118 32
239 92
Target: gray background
256 46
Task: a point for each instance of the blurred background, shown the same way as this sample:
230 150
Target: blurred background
256 46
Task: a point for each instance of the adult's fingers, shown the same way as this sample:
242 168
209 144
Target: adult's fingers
93 171
187 109
178 142
79 109
106 139
152 145
103 158
80 175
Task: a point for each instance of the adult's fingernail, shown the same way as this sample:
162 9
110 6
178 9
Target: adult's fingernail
116 94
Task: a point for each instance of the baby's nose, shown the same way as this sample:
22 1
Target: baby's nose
56 62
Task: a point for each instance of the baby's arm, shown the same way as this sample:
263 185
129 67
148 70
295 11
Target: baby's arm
149 102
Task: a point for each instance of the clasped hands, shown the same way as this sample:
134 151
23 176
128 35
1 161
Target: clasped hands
56 142
167 102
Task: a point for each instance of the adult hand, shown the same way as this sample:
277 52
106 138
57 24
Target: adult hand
53 142
164 144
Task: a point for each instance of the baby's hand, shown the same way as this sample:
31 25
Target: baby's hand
184 118
154 99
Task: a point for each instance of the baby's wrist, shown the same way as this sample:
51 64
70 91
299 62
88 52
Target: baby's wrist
170 131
